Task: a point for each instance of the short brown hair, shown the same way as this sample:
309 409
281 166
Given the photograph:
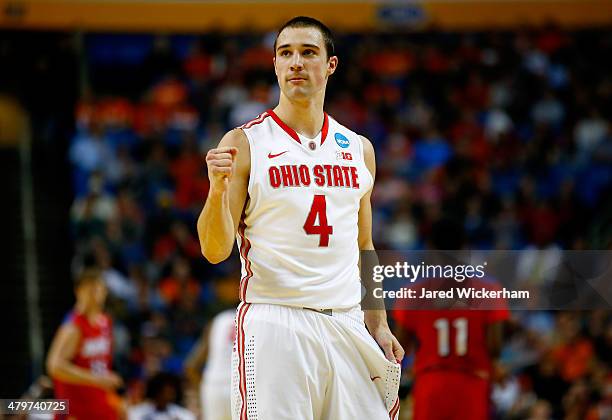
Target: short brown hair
308 22
87 275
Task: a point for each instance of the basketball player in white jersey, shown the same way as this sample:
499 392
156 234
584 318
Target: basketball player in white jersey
293 187
214 351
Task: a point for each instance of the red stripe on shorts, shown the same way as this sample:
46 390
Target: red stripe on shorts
241 362
395 409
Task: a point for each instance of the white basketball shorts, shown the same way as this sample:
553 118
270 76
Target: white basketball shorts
215 401
300 364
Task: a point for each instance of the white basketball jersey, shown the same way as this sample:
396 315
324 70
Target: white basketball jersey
220 343
298 234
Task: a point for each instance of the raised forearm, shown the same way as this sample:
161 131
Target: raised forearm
216 228
71 373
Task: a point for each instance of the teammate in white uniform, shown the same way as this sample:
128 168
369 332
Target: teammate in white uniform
212 356
293 186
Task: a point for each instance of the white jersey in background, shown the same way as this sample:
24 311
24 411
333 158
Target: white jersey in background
216 378
298 236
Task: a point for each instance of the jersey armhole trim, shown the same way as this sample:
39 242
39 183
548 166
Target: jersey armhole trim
362 153
253 167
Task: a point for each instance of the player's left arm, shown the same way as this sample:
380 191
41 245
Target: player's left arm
375 319
496 320
197 358
494 338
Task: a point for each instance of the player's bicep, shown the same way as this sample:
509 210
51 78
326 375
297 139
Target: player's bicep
198 354
365 205
64 346
238 185
365 223
197 357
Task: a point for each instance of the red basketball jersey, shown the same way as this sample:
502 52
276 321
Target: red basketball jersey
453 339
94 352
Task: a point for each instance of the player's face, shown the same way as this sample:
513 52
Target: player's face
99 293
93 294
301 63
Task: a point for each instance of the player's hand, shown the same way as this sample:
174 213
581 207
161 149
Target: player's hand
220 162
388 343
110 381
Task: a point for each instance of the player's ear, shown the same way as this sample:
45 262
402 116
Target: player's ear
332 65
274 62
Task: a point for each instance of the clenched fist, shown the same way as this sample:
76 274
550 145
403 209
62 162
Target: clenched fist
220 163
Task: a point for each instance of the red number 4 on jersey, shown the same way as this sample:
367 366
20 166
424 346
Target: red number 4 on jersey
318 208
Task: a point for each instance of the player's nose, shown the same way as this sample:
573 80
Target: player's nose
297 61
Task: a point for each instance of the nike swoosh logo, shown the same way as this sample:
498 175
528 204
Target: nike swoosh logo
374 378
271 156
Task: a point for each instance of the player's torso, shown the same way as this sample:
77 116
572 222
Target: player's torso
299 233
95 347
452 339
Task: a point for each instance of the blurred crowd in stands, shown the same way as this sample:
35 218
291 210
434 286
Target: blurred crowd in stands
509 132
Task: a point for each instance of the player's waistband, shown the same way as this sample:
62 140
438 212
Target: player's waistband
328 312
352 316
324 311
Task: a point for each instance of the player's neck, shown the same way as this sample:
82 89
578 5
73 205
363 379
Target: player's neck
306 117
91 312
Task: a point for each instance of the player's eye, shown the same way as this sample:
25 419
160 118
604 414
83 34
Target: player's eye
284 53
308 52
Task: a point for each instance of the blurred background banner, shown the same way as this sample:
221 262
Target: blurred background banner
491 126
193 15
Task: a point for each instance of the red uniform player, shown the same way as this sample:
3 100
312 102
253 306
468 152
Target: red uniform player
454 347
452 362
79 360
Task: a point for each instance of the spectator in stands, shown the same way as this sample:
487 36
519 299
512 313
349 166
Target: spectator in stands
163 397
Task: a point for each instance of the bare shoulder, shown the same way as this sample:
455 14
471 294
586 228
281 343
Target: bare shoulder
67 337
235 138
367 146
368 154
69 330
238 139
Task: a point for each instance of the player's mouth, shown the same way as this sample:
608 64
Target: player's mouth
297 80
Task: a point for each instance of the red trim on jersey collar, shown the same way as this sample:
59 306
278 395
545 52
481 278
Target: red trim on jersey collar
325 127
292 132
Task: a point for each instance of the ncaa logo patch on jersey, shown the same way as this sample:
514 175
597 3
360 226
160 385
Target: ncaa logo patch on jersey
341 140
